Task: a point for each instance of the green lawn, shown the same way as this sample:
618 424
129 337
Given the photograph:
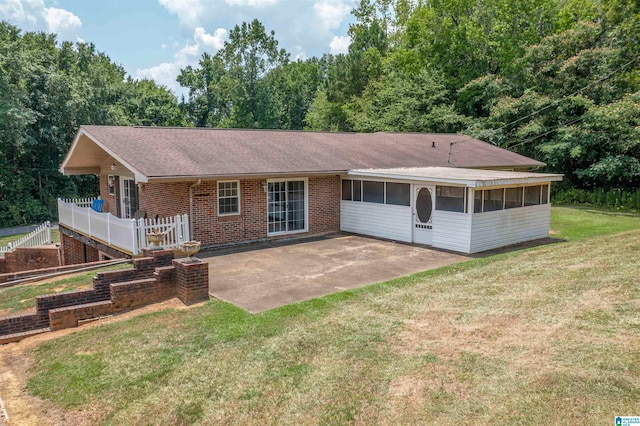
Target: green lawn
573 223
541 336
22 297
55 237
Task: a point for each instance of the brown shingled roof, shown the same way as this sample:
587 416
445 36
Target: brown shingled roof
159 152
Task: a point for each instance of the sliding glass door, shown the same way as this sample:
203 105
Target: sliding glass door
286 206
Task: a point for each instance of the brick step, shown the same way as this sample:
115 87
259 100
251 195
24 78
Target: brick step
16 337
164 272
137 293
70 316
141 283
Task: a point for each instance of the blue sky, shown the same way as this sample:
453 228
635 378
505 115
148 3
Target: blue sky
156 38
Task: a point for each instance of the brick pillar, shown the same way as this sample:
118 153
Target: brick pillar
91 254
72 250
192 281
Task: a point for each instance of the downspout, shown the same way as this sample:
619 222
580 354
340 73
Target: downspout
191 206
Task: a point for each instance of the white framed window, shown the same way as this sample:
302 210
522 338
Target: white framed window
228 197
111 185
451 198
287 206
376 192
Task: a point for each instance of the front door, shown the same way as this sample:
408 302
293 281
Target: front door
128 198
422 214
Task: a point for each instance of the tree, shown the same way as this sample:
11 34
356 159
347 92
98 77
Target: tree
229 89
47 90
293 87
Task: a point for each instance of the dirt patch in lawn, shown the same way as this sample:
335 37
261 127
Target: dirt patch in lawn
17 358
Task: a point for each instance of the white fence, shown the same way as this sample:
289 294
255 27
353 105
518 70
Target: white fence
81 202
175 230
129 235
39 236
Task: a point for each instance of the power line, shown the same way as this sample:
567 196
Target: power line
526 141
556 102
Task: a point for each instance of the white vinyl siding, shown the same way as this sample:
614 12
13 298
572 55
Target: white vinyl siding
452 231
377 220
505 227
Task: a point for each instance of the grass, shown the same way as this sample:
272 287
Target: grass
573 223
22 297
55 237
539 336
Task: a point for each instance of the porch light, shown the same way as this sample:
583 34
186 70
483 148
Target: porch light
113 166
264 185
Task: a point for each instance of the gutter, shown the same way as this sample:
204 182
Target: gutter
260 175
199 182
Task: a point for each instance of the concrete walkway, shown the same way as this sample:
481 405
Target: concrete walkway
267 276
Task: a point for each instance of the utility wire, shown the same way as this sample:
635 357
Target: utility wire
526 141
556 102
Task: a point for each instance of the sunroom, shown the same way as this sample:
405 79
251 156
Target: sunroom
463 210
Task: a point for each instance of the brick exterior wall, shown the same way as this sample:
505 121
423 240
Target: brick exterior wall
109 204
29 258
169 199
72 250
250 224
92 255
324 204
152 280
164 199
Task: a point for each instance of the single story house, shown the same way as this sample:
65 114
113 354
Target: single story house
448 191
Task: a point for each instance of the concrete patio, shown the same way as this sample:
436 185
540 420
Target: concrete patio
265 276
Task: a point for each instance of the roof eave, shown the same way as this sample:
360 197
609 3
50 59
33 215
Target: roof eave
257 175
473 183
139 177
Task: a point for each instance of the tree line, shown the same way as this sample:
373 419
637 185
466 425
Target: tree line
557 80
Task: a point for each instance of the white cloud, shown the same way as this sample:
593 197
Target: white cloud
188 11
189 54
251 3
32 15
61 21
331 13
340 44
214 41
164 74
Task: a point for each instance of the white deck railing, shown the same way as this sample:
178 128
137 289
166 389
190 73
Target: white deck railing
129 235
81 202
175 230
39 236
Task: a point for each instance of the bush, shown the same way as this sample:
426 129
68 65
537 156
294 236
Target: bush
615 198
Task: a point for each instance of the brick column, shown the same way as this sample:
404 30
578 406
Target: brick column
192 281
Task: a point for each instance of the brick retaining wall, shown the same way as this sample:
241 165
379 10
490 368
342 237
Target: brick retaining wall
152 280
14 276
28 258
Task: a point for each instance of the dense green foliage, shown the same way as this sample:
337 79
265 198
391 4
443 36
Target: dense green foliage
47 90
557 80
624 200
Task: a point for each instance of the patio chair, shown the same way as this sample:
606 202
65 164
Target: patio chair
97 205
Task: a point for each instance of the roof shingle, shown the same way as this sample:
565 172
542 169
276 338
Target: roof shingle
158 152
